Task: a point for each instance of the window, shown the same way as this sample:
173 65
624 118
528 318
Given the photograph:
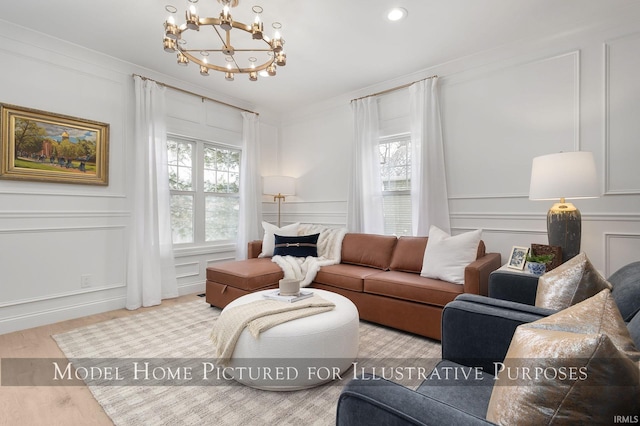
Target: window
204 180
395 168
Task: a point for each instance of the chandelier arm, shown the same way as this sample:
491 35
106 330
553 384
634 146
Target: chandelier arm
222 50
236 63
221 38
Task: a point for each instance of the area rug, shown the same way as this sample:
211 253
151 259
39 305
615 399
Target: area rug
182 332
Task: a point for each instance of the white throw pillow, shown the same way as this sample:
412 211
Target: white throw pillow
446 256
269 239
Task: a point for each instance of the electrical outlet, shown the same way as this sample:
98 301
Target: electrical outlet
85 281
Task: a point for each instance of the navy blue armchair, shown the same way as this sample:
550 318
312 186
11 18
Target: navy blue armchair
476 333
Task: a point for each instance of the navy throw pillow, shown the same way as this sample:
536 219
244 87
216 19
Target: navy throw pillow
302 246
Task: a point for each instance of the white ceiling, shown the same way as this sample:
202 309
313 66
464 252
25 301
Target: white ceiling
333 46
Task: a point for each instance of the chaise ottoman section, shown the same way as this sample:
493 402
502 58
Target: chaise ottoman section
229 280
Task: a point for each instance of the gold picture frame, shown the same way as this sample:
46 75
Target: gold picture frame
42 146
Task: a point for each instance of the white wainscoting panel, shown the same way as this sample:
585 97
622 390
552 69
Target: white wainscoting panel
504 118
622 115
621 249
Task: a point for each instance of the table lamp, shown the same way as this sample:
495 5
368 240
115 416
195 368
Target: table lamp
566 175
279 187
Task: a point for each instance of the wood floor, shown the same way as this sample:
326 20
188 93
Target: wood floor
55 405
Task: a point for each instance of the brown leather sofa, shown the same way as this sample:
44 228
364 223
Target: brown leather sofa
380 274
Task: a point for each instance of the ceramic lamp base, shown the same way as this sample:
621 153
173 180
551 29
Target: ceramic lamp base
564 229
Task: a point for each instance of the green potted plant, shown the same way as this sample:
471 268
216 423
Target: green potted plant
537 263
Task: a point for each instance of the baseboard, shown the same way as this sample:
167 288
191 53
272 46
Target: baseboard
198 287
63 313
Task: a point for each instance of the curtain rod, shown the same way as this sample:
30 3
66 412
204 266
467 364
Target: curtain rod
393 89
194 94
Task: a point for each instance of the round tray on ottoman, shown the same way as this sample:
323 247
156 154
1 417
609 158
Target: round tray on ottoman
297 354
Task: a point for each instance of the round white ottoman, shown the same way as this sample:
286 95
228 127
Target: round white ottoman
297 354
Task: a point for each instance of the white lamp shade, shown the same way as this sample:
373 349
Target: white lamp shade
569 175
274 185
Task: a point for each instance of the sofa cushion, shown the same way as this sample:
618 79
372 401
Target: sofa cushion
250 274
590 339
412 287
348 277
370 250
407 256
446 256
445 384
572 282
269 239
409 253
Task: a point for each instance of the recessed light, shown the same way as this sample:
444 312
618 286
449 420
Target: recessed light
397 13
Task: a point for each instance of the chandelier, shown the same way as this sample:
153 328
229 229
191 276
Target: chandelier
251 51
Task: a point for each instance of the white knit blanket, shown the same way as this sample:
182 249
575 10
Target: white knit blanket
306 268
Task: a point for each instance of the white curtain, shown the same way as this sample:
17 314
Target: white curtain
151 273
250 189
365 212
429 200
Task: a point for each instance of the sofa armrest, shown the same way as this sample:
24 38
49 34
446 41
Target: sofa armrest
478 334
476 274
366 401
254 249
513 286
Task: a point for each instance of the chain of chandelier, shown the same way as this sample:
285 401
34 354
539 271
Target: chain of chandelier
174 41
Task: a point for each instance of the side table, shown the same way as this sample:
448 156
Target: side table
512 284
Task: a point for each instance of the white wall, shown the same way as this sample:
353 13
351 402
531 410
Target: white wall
51 233
500 109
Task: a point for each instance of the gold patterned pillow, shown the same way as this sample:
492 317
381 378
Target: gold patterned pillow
572 282
577 366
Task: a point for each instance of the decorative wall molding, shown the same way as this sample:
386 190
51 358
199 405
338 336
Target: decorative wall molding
519 69
609 237
189 270
486 196
202 250
218 260
501 230
74 214
61 194
606 49
601 217
61 229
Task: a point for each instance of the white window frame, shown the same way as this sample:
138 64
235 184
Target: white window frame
198 193
391 193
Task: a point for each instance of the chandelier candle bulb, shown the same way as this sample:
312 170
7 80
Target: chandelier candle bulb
256 29
192 18
183 61
203 68
169 45
171 31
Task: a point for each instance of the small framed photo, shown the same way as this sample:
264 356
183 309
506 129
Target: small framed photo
518 257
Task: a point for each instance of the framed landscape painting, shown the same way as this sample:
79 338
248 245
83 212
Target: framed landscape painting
42 146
